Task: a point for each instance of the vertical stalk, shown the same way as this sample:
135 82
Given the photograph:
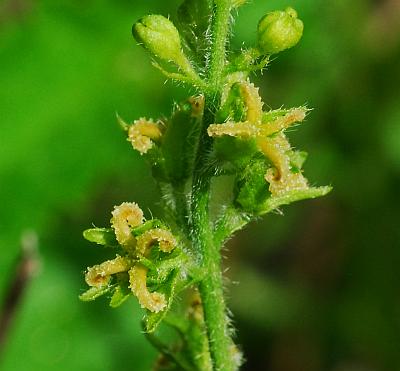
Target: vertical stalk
219 36
216 319
211 288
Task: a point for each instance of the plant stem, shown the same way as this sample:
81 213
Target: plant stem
211 287
216 319
220 29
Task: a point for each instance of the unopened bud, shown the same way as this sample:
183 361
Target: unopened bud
278 31
159 35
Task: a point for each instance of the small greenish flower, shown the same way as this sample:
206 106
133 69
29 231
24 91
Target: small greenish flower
143 133
102 278
278 31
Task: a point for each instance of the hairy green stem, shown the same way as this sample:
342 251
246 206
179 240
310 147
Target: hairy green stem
211 287
200 222
219 36
216 319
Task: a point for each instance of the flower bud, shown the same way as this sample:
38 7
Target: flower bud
278 31
159 35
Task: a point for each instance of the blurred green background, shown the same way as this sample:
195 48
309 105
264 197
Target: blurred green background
316 289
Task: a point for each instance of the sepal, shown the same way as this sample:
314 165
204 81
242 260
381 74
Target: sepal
101 236
289 197
94 292
121 291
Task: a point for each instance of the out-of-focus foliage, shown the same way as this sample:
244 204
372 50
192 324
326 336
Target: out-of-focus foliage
318 288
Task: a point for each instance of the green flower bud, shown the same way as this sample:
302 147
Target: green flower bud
278 31
159 35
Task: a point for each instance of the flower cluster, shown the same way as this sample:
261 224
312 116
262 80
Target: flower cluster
137 238
267 129
253 142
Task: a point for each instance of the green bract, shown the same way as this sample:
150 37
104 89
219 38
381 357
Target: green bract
278 31
251 190
101 236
